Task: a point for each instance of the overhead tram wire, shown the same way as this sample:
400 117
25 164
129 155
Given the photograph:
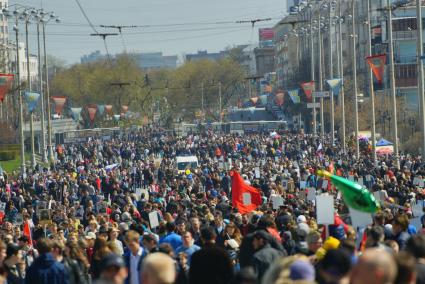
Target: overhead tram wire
85 16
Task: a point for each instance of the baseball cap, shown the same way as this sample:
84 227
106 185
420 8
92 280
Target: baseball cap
90 236
301 219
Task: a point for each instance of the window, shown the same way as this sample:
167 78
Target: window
406 71
405 24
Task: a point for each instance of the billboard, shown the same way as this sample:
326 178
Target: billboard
266 37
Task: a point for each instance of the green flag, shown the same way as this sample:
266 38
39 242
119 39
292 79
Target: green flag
355 196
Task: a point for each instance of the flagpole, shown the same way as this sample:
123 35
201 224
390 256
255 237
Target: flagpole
392 82
420 51
371 90
341 75
356 111
331 75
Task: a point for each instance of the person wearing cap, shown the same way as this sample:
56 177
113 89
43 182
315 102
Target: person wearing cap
12 264
265 254
113 270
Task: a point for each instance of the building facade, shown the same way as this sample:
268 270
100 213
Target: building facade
155 60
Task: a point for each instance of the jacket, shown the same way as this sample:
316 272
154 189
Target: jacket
46 270
127 263
264 258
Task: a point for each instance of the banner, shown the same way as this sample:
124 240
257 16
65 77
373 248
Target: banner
377 63
308 89
92 109
108 109
279 99
59 103
76 111
5 84
31 99
335 85
294 95
124 109
117 117
101 109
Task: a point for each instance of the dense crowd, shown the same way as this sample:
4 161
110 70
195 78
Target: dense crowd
120 211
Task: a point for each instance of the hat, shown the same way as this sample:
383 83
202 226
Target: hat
90 236
103 230
301 219
112 259
302 270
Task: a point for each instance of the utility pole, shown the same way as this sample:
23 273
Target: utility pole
40 81
202 100
49 117
30 89
219 98
356 110
331 75
420 52
21 111
392 82
322 119
370 75
341 75
312 65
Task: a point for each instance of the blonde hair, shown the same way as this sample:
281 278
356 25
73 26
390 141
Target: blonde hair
158 268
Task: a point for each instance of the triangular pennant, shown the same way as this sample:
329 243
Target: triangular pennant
294 95
335 85
117 117
92 109
308 89
124 108
76 111
5 84
254 100
59 103
31 99
108 109
279 99
377 63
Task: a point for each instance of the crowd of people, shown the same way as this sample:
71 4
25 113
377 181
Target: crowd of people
120 211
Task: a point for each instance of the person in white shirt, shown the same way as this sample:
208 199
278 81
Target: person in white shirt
134 257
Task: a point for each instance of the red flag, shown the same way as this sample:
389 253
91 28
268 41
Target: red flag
92 109
5 84
59 103
27 231
308 89
242 192
377 63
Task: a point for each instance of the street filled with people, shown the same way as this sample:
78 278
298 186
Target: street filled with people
238 209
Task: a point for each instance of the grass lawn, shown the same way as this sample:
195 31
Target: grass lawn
9 166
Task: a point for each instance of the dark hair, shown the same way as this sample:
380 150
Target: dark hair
402 221
406 266
44 245
208 234
376 233
416 246
171 227
337 262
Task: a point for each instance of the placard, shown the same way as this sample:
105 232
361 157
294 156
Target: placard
416 181
360 181
359 219
19 219
277 201
368 178
3 207
325 184
246 198
303 184
153 219
257 172
325 209
79 212
351 178
284 183
101 207
311 195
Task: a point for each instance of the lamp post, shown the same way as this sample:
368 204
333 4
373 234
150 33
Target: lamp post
420 52
354 64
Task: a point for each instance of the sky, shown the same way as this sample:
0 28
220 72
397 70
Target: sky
174 27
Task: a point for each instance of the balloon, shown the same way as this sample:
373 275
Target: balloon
188 172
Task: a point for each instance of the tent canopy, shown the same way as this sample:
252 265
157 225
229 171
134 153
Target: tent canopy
383 142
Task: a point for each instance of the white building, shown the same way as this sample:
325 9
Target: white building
33 64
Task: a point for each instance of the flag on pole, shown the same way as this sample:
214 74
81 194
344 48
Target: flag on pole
244 197
59 103
308 89
76 111
92 110
27 231
294 95
354 195
108 109
5 84
31 99
377 63
279 99
335 85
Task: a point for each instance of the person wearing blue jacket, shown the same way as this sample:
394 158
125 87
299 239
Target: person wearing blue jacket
45 269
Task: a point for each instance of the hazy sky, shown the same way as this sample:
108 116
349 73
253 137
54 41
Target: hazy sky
176 26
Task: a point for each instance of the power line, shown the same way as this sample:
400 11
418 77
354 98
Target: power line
85 16
103 36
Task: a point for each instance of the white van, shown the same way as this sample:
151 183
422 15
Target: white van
184 163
